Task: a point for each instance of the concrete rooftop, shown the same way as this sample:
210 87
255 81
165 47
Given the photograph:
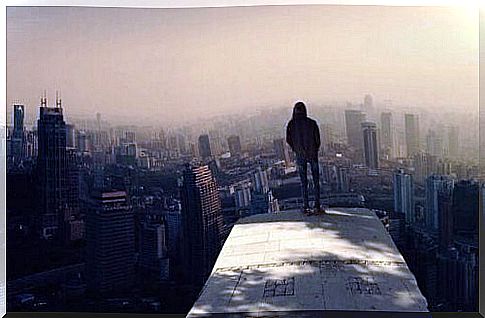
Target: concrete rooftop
288 262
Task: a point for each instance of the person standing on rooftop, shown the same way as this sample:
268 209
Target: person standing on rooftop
303 136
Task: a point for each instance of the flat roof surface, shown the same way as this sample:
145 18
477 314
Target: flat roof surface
289 262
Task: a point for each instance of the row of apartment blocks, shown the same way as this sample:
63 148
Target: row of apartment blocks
440 240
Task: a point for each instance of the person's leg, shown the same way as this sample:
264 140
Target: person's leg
316 182
302 170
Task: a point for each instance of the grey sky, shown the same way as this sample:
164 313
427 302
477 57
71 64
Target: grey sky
181 63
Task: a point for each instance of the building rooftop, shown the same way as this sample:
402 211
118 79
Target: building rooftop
286 261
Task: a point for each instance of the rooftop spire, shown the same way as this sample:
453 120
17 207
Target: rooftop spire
43 99
58 100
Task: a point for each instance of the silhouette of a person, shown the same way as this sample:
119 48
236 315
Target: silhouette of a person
303 136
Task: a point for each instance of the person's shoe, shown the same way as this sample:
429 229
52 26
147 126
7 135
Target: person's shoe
320 211
307 211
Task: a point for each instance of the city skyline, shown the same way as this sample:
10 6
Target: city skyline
161 171
188 63
181 214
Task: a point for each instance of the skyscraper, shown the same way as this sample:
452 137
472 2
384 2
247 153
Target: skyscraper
110 243
51 169
215 141
327 135
281 150
411 124
371 147
31 144
18 119
83 142
404 195
129 137
204 147
182 145
424 165
234 143
263 203
73 179
173 143
242 196
445 219
73 220
153 250
260 180
173 221
202 223
18 139
387 134
435 184
434 144
465 208
353 121
368 103
71 136
342 179
162 139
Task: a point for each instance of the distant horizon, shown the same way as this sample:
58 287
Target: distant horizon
31 114
174 65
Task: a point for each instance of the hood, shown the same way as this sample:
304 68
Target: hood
299 111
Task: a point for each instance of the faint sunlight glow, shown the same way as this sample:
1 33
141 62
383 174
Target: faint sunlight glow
470 14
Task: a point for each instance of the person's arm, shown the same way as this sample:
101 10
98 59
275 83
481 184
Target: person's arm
317 135
289 134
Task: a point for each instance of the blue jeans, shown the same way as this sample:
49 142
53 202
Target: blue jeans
302 165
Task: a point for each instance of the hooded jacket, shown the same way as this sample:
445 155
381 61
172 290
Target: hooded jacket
302 134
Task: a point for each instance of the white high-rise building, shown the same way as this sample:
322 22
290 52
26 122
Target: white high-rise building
434 184
404 195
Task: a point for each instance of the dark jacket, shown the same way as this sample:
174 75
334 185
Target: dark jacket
303 135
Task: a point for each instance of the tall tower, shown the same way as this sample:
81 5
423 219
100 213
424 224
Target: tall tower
424 165
163 139
411 124
434 144
445 220
371 147
404 195
202 223
234 143
435 184
353 121
51 169
204 147
18 139
110 243
387 144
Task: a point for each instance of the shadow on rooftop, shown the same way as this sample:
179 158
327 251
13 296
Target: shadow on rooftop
355 245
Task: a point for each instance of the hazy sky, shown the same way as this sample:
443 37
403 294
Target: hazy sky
166 64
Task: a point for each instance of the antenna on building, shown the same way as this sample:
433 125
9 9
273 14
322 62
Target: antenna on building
58 99
43 99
